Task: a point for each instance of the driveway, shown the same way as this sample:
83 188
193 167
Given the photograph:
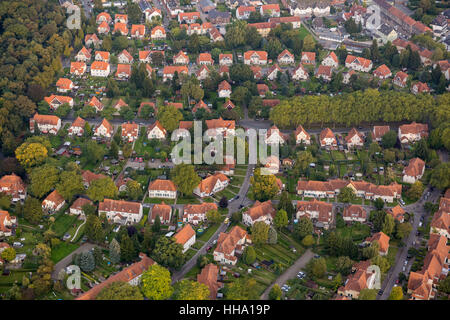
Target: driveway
290 273
68 259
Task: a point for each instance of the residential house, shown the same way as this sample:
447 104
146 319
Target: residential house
121 211
45 123
414 171
262 89
220 126
300 73
229 244
185 237
274 136
301 136
137 31
101 56
13 186
196 213
104 129
327 139
225 59
122 18
94 102
208 276
397 213
273 71
64 85
272 165
383 242
205 59
219 17
130 131
358 63
55 101
382 72
123 71
169 71
255 57
331 60
320 212
412 132
308 58
224 89
362 277
103 28
100 69
131 275
285 57
77 127
243 12
164 211
162 189
156 131
6 224
353 213
260 211
158 33
83 55
188 17
91 40
77 68
77 206
324 72
88 177
400 79
211 185
125 57
354 139
420 87
229 105
293 20
379 131
271 10
120 28
53 202
181 58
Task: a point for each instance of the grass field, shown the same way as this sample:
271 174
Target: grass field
63 223
209 232
62 250
356 231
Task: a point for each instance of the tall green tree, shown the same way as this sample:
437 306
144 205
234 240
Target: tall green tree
156 283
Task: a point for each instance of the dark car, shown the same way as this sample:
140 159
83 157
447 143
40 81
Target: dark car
380 292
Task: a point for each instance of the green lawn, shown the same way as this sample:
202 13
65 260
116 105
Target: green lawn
190 253
187 200
302 32
62 250
209 232
159 200
356 231
63 223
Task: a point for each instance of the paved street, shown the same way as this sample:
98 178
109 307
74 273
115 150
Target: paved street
417 210
232 207
290 273
68 259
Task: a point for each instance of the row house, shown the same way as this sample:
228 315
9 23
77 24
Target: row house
196 213
409 133
55 101
197 28
219 17
53 202
156 131
440 224
209 276
301 136
77 127
45 123
422 285
6 223
230 244
158 33
263 28
358 63
211 185
131 275
414 171
130 131
362 277
319 212
64 85
169 71
255 57
121 211
164 211
354 213
366 190
260 211
100 69
162 189
78 68
307 9
13 186
104 129
77 206
185 237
